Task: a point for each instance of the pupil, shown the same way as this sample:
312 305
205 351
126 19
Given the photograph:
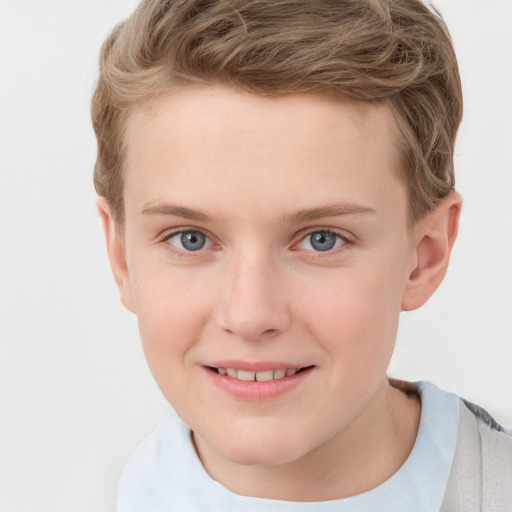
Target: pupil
193 240
323 240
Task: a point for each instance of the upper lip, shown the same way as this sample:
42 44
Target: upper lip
255 366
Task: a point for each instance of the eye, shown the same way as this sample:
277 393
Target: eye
322 241
189 240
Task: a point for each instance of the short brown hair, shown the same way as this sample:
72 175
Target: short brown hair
397 51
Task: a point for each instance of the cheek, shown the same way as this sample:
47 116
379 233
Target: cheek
354 315
172 311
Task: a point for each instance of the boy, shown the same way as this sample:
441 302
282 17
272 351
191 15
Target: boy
276 185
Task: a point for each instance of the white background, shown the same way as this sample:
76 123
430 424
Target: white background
75 393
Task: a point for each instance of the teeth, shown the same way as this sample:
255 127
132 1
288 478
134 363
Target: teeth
243 375
279 374
263 376
232 373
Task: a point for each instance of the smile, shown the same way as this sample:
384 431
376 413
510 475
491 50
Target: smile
257 382
261 376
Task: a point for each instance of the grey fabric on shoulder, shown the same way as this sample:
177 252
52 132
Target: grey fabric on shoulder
481 474
484 417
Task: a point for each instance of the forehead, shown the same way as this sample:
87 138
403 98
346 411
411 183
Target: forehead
203 143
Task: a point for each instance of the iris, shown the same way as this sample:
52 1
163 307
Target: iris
322 240
192 240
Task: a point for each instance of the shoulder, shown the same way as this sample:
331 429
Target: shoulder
495 446
481 474
484 419
495 441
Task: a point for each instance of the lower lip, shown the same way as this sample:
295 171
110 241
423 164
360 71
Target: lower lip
254 391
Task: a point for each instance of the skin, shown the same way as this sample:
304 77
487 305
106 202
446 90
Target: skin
260 291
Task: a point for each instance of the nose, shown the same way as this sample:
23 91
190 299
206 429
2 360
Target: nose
253 303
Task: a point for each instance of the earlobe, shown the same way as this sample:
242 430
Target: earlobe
116 254
434 239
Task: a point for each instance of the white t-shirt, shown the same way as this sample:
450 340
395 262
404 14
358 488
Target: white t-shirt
164 474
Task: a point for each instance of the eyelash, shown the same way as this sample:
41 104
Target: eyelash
180 252
346 242
344 245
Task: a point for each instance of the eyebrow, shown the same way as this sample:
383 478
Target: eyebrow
302 215
334 210
175 211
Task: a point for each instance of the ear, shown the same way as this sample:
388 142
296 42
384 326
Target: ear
434 237
116 254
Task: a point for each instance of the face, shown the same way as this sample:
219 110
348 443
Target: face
267 256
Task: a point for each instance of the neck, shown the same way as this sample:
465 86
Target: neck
366 453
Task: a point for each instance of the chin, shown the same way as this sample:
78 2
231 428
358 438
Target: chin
270 448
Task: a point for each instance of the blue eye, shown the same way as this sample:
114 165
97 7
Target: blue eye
189 240
322 241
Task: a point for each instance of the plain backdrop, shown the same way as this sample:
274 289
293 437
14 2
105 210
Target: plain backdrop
75 393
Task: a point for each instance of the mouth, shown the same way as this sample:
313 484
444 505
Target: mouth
257 382
259 376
